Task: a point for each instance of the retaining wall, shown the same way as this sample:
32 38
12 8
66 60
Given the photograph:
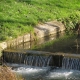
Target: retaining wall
41 30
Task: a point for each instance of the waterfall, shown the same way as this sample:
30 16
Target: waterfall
37 60
31 60
71 63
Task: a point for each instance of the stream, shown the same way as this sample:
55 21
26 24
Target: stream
70 69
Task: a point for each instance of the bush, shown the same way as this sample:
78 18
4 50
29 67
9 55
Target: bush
71 21
3 37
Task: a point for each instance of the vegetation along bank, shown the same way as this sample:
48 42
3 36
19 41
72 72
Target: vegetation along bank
18 17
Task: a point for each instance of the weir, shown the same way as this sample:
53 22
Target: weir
43 59
71 63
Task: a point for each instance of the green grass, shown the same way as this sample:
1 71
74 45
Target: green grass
18 17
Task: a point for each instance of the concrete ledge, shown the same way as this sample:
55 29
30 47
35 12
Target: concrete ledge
32 52
48 28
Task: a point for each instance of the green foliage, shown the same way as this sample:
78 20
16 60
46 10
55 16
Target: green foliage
20 16
71 21
3 37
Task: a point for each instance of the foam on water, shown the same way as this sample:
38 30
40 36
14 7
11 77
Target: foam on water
29 70
62 74
44 73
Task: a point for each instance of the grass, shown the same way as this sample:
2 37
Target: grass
18 17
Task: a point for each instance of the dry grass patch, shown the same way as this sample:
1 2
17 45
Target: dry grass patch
6 74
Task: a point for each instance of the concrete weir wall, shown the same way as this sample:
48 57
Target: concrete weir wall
38 57
41 30
30 57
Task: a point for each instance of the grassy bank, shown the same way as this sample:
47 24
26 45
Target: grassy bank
18 17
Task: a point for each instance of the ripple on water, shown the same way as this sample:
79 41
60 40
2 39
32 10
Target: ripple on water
45 73
62 74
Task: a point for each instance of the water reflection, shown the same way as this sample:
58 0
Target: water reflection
77 45
32 44
30 72
65 44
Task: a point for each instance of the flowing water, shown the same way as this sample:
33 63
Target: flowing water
45 73
70 69
37 67
37 60
71 63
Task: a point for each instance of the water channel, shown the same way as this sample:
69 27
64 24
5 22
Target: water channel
70 70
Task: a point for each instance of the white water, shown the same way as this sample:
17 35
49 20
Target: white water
45 73
29 72
63 74
71 63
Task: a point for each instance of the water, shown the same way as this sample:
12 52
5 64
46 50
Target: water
32 60
71 63
37 60
70 70
45 73
29 72
41 70
63 74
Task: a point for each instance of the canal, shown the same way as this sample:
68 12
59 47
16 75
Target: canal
66 43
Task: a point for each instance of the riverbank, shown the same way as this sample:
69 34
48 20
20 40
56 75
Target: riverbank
19 27
40 31
18 17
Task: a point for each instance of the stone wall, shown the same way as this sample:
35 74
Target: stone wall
41 30
48 28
